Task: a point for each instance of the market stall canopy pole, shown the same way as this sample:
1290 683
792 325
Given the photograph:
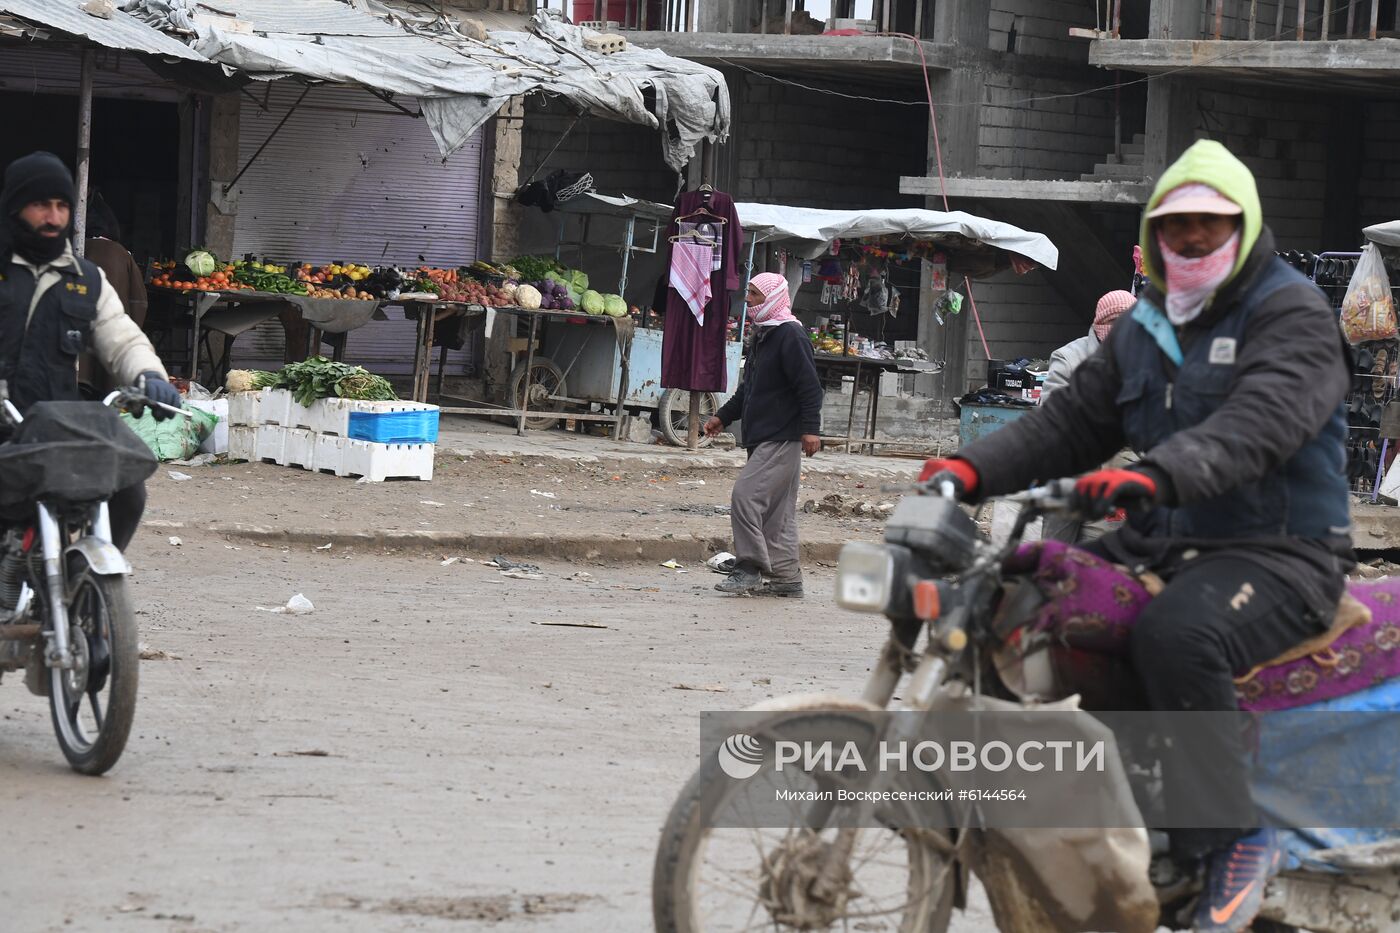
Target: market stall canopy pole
84 151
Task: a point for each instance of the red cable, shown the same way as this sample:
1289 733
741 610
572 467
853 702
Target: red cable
942 185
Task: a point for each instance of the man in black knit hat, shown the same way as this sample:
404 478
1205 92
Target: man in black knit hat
54 306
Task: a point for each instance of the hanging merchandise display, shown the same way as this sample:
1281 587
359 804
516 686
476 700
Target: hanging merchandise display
948 304
938 274
1368 311
703 267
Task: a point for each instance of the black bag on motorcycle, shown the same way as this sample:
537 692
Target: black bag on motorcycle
70 453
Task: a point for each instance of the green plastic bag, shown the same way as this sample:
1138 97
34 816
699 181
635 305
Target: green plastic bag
174 438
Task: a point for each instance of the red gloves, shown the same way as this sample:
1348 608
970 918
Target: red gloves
960 473
1101 492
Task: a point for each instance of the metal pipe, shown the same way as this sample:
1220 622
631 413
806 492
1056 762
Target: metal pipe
1302 17
787 16
84 151
1219 17
1375 16
1253 17
1278 20
59 654
919 19
1351 18
1326 18
1117 17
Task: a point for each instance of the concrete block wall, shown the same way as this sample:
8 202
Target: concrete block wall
624 158
1047 139
1380 172
1283 139
794 146
1041 28
1022 315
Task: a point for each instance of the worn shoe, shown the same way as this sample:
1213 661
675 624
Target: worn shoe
1235 882
742 582
787 590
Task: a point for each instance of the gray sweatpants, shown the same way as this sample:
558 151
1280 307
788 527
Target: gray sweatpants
763 511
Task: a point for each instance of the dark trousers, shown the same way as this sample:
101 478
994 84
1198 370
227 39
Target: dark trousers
125 510
1214 622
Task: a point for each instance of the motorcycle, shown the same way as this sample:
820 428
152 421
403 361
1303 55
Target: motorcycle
65 615
946 592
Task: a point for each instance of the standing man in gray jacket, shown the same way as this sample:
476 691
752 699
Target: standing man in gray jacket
1064 360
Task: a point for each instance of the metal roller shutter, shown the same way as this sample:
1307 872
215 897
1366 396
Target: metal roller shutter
348 179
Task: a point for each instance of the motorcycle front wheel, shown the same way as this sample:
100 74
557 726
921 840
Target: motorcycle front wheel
94 703
714 880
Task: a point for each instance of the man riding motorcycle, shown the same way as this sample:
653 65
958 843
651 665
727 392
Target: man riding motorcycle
1229 375
54 306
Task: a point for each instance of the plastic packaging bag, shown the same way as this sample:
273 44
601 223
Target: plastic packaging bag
173 438
1368 311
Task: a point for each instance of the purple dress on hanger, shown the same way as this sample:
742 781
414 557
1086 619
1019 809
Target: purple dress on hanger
692 356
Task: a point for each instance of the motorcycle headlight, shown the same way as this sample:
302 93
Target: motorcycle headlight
864 577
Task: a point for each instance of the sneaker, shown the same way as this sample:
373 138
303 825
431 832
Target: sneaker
742 582
1235 882
787 590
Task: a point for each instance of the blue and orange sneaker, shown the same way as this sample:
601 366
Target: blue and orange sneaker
1235 882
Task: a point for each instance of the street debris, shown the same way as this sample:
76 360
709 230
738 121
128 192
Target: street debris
298 605
175 542
582 577
673 565
147 653
196 461
723 562
324 547
714 511
840 506
543 495
518 574
503 563
303 753
692 482
449 561
429 502
572 624
703 688
179 477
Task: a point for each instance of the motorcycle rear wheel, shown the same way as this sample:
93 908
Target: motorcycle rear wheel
99 612
912 865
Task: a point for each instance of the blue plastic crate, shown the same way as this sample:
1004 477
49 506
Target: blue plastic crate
394 427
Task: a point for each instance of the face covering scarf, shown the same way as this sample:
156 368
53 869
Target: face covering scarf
776 307
1191 282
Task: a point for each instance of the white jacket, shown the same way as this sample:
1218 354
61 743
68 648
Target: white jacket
120 346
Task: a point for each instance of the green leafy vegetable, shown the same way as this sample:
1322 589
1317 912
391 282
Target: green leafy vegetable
319 377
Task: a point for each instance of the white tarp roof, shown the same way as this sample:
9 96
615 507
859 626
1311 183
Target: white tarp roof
814 228
461 81
121 31
1387 234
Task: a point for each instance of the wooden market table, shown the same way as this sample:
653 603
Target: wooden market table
429 312
234 312
866 373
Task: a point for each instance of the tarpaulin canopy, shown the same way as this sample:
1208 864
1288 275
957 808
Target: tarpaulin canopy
813 229
460 79
1387 234
119 31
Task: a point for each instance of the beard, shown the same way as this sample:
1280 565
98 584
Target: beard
40 245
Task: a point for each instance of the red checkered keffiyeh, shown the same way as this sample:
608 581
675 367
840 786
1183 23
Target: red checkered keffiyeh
691 267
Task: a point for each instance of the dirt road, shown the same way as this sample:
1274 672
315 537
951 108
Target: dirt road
421 752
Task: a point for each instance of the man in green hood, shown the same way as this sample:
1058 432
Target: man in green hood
1229 375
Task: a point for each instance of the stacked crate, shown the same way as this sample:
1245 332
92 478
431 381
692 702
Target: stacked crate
347 437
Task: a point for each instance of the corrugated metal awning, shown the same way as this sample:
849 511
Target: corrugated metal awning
120 31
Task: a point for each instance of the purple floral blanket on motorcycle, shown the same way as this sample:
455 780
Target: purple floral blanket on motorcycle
1093 604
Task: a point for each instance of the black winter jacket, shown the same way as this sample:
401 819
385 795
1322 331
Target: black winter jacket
780 397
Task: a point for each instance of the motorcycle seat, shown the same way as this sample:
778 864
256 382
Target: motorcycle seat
1350 613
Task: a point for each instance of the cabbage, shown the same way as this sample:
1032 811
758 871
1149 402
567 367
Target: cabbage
614 306
528 297
592 302
200 262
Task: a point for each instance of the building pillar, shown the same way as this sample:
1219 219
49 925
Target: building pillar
221 211
505 217
965 24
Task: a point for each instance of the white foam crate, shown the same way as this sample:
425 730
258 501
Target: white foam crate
344 456
300 449
272 408
242 442
271 443
244 409
332 415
